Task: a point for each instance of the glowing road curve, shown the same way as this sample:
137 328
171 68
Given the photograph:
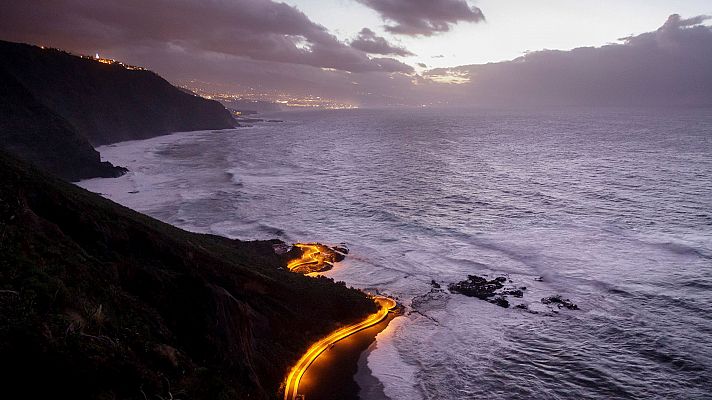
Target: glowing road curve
315 258
291 389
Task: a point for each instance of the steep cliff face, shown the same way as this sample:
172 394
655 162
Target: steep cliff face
108 103
98 301
33 132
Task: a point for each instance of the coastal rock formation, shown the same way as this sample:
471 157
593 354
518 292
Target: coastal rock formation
477 286
98 301
559 302
109 103
500 290
55 106
33 132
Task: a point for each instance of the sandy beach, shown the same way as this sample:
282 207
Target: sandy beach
333 375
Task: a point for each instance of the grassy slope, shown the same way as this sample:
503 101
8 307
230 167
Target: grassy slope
98 301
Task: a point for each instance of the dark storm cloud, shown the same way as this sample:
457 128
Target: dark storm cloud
274 47
257 29
371 43
670 66
424 17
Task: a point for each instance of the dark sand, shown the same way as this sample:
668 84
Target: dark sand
371 387
333 375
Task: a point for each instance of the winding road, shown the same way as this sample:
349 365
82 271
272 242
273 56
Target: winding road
291 389
314 258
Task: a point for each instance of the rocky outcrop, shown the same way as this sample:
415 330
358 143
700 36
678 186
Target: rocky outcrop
108 103
501 291
483 289
559 302
54 107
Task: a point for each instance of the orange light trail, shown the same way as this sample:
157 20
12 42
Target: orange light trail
292 386
315 258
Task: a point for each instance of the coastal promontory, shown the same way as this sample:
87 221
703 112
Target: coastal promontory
55 106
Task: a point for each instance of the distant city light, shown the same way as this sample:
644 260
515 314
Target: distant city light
285 99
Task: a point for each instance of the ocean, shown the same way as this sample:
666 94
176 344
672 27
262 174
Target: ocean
610 208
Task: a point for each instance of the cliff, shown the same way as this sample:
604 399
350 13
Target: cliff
31 131
98 301
55 106
108 103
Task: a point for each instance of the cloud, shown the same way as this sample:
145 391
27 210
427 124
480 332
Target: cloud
424 17
669 66
257 29
273 47
391 64
367 41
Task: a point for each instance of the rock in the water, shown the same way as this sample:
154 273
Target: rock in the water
341 248
477 286
338 256
514 292
434 284
500 301
559 302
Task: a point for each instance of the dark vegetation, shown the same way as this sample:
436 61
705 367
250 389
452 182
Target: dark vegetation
98 301
32 131
65 104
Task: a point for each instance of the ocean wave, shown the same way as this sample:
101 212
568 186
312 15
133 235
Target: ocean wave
596 212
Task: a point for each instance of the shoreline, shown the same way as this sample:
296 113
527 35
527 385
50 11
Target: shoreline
341 367
369 386
329 368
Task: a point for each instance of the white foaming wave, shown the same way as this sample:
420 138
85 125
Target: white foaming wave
246 230
399 378
235 177
151 182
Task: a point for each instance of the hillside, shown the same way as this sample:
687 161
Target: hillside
98 301
108 103
31 131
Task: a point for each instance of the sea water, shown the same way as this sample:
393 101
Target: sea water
610 208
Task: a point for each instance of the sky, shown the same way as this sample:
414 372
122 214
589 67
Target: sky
398 52
512 27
